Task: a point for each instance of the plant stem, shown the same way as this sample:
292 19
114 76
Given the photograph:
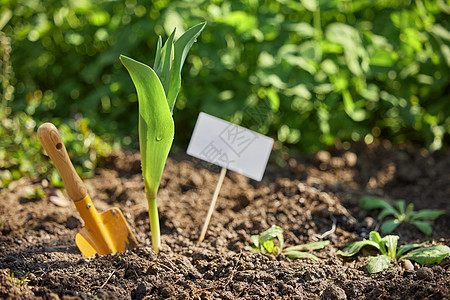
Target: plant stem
154 224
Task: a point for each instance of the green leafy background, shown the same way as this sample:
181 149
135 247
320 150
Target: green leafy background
307 73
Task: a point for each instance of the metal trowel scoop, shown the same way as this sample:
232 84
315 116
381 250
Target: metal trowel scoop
103 233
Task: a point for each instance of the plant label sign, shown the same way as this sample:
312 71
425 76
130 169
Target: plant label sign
230 146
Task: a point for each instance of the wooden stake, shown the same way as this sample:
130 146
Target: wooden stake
213 204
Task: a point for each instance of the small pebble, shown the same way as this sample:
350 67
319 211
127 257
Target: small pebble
72 222
425 274
333 292
407 265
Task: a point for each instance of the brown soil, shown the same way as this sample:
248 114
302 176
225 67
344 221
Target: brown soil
306 198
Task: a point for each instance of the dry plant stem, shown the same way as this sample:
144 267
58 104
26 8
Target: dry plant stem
213 204
154 224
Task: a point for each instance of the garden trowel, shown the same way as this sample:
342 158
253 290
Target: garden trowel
103 233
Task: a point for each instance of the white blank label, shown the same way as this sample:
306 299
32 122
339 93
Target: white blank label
230 146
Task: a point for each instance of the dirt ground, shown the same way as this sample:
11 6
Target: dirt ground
313 198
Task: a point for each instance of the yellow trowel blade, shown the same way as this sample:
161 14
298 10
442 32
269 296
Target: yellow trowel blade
117 231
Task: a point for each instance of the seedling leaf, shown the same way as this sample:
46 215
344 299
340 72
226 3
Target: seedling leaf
266 239
389 225
388 211
369 202
428 255
427 214
391 244
182 46
309 246
299 254
354 247
158 54
400 205
164 71
156 128
375 237
376 264
423 226
405 248
255 240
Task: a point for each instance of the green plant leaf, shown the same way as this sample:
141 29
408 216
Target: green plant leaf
386 212
391 244
269 246
300 254
181 49
405 248
409 212
164 70
252 248
389 225
255 240
157 61
309 246
375 237
156 128
427 214
376 264
266 239
369 202
428 255
400 205
355 247
423 226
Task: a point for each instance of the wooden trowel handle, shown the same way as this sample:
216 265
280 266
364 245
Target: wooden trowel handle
53 144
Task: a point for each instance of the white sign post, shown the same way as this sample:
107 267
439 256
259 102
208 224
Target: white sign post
230 146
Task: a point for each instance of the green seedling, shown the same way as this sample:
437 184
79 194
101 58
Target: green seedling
157 90
19 282
34 194
387 246
271 242
401 214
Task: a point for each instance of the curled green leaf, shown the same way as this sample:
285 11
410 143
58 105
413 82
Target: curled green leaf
309 246
299 255
405 248
355 247
428 255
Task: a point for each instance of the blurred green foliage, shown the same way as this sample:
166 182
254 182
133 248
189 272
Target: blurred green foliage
309 73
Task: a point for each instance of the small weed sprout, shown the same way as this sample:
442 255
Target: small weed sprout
387 246
271 242
34 194
19 282
401 213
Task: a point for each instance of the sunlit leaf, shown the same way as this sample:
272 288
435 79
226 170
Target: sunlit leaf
182 46
428 255
309 246
299 255
355 247
156 128
391 244
376 264
405 248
